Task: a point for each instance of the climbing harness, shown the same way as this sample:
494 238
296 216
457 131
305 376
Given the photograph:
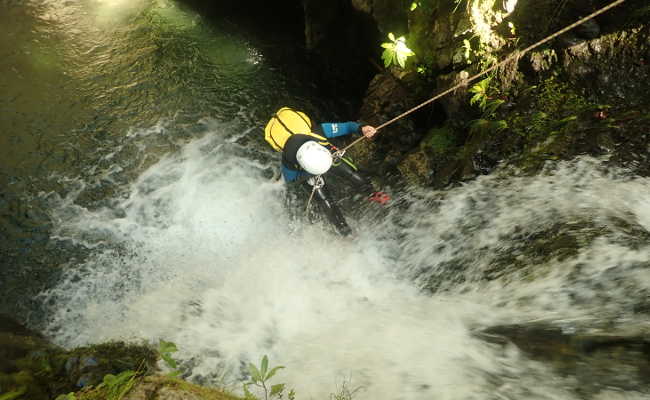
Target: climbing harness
337 156
515 55
316 182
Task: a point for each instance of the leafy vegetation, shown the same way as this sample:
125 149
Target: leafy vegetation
488 104
14 394
260 377
396 51
344 392
117 386
165 350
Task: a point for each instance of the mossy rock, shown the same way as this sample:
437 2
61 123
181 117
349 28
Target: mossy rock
38 370
415 168
158 387
595 360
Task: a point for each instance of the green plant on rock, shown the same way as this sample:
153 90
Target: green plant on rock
260 377
482 97
485 125
438 141
117 386
165 350
344 392
69 396
113 387
396 51
14 394
483 40
424 5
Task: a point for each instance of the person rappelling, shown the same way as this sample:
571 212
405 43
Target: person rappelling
308 157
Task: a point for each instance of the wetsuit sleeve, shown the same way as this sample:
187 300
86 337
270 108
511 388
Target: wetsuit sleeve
291 175
336 129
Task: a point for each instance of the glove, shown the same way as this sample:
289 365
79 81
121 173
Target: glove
379 198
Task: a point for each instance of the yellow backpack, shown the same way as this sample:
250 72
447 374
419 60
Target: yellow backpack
287 122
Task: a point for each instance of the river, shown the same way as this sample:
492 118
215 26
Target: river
142 203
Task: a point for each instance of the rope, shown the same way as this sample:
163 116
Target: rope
316 182
515 55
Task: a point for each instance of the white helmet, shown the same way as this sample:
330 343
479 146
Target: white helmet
314 158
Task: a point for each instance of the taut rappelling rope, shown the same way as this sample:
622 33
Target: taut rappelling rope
514 55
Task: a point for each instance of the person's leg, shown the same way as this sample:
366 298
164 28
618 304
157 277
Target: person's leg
331 210
363 185
352 176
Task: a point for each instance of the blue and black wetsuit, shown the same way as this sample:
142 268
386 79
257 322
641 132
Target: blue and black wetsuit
290 168
293 173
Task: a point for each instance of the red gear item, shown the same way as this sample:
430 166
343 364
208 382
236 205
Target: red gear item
379 198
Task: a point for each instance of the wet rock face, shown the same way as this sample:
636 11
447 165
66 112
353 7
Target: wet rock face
601 66
340 41
389 15
596 361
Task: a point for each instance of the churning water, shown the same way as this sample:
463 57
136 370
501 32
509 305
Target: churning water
200 251
177 229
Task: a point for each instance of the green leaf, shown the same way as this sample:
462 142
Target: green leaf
568 119
273 371
255 373
171 363
479 125
389 57
387 45
500 125
109 379
69 396
14 394
492 106
539 115
247 393
265 366
401 60
391 36
167 347
414 5
277 389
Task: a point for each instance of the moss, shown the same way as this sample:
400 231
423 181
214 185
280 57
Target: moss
438 140
14 394
159 387
40 369
203 392
119 355
415 168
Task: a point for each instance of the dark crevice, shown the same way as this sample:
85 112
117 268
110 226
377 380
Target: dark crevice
331 45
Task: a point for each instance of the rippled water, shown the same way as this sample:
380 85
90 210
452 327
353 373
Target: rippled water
86 86
165 222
